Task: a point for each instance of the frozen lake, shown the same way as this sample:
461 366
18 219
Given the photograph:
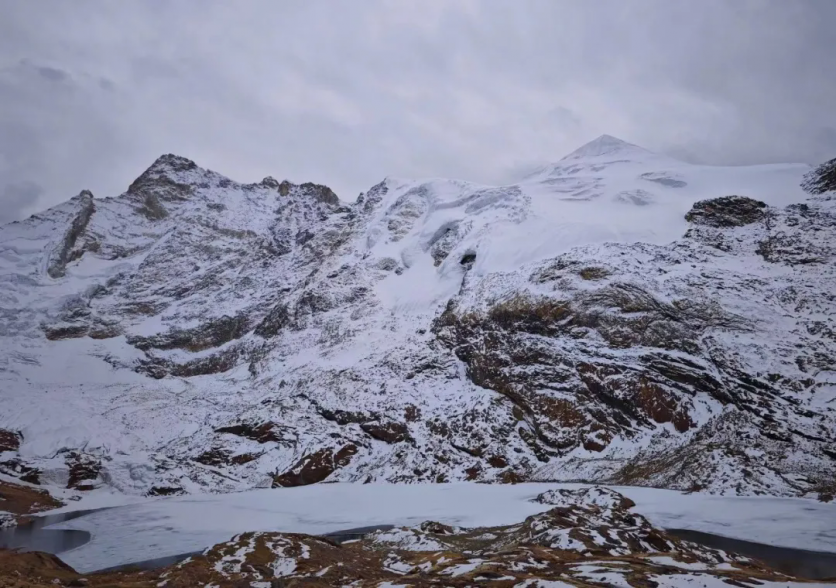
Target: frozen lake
162 527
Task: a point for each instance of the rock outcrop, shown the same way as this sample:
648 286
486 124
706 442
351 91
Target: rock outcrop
17 502
728 211
821 180
64 250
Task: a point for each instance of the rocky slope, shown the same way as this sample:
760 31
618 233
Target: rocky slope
589 538
617 317
18 501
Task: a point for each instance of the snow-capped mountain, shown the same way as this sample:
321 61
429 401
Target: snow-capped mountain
195 333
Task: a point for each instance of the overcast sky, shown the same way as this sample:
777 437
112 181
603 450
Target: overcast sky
348 92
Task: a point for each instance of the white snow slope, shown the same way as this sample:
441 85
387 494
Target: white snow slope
197 334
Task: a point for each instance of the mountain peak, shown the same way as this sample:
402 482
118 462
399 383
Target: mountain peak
165 166
171 162
605 145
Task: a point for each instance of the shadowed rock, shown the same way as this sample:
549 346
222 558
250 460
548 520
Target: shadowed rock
84 470
62 254
210 334
388 432
315 467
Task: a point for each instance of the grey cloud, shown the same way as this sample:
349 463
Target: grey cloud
347 93
57 133
52 74
826 140
146 68
106 84
16 198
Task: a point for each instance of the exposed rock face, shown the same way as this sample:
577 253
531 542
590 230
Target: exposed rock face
165 491
218 457
728 211
612 360
388 432
270 182
216 363
84 470
316 467
502 346
821 180
152 208
158 179
57 333
317 192
206 336
19 501
64 252
276 320
10 440
444 240
789 239
261 432
17 468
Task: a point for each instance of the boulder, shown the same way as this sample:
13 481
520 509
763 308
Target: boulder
727 211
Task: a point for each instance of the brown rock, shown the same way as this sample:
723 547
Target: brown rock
244 458
411 413
498 461
727 211
593 445
218 457
66 332
510 477
661 406
23 500
210 334
593 273
214 457
84 470
436 528
389 432
315 467
10 440
261 432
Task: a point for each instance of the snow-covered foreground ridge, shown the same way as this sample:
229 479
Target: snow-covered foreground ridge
199 334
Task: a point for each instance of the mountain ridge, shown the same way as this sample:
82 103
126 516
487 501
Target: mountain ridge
207 335
605 145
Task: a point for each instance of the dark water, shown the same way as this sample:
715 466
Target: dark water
33 537
161 562
150 564
356 533
812 565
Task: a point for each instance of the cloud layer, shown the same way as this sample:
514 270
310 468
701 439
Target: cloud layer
346 93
